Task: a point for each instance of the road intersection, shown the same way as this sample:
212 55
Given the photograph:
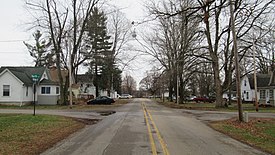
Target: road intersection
143 127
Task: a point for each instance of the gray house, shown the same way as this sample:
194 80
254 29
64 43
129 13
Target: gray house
16 86
266 92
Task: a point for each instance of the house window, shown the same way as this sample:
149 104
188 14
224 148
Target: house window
271 94
27 91
45 90
247 95
57 90
6 90
262 94
244 82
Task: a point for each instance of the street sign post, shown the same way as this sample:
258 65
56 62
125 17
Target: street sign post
35 78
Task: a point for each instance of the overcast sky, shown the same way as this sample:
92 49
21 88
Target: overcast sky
13 32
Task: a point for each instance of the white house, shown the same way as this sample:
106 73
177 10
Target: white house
87 88
16 86
265 91
247 89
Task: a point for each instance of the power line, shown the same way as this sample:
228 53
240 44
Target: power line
11 52
8 41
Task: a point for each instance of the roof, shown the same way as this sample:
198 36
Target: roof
24 74
54 74
48 82
262 80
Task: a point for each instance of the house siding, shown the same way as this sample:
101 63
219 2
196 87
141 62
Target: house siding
247 93
47 99
267 96
16 89
21 92
27 94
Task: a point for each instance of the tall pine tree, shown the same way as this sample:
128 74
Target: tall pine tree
101 65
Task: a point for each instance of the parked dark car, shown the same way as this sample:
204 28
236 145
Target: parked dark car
101 100
204 99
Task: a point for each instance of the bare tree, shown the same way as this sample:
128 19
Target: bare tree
216 27
152 82
62 19
128 84
173 44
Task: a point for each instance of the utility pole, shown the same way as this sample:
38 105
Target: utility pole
70 75
238 79
255 76
68 43
177 83
96 75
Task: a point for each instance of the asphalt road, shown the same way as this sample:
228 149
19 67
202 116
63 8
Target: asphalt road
143 127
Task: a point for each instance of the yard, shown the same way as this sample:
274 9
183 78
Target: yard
27 134
259 133
211 106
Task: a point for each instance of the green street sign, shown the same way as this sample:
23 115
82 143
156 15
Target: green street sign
35 77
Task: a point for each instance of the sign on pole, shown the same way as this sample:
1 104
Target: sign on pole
35 78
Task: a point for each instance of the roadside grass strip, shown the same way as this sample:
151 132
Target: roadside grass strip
149 119
30 135
258 132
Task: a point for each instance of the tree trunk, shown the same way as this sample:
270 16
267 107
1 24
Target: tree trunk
181 91
61 84
218 86
171 89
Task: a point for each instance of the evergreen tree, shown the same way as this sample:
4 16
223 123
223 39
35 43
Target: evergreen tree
101 65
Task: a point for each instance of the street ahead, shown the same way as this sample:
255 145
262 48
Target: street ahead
142 128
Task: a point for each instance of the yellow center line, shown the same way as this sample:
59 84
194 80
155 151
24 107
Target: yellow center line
162 143
152 142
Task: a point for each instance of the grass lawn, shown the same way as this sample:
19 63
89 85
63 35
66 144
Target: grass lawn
257 132
211 106
27 134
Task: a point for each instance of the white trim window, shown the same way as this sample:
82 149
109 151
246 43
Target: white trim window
45 90
6 90
57 90
27 91
271 94
262 94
